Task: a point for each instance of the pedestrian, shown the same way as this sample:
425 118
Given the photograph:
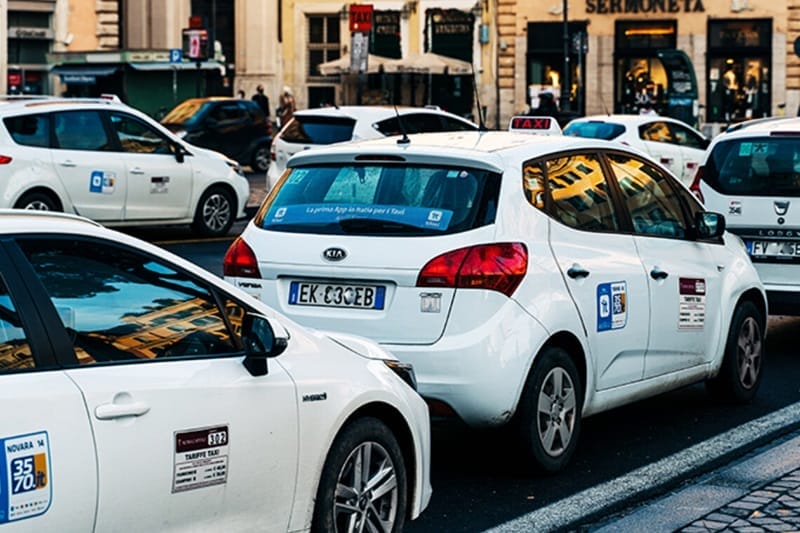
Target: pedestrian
261 99
547 105
240 94
286 108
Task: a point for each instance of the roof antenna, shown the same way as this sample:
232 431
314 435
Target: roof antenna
481 124
404 139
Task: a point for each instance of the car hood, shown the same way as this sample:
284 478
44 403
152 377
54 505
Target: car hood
360 345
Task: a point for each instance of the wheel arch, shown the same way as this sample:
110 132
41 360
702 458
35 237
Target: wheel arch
47 191
757 298
572 345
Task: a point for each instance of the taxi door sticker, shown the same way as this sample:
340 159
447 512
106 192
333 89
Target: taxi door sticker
612 305
201 458
159 184
103 182
692 303
25 487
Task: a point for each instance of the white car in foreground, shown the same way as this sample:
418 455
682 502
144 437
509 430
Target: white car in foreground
530 279
671 142
142 393
109 162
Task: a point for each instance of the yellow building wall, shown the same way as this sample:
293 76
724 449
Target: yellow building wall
82 25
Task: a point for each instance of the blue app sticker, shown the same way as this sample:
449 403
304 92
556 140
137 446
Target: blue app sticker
102 182
612 305
420 217
25 485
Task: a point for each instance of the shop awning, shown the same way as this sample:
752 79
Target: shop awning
82 74
342 65
428 63
204 65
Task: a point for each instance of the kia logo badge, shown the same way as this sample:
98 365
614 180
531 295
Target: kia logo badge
781 208
334 254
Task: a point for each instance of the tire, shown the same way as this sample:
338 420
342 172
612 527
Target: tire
261 157
215 213
741 371
345 501
37 201
549 414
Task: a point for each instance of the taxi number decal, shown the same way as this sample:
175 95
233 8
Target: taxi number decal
201 458
25 487
102 182
612 305
692 303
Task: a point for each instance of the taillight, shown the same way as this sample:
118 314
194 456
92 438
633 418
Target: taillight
4 160
272 151
498 267
240 261
695 186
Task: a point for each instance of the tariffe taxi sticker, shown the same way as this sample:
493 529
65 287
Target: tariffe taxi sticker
201 458
692 303
25 485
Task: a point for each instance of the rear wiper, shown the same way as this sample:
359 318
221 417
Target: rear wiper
375 225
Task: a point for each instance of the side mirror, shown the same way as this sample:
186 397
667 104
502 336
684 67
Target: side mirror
709 225
180 152
263 338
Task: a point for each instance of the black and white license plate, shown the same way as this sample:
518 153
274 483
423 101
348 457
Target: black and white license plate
337 295
774 248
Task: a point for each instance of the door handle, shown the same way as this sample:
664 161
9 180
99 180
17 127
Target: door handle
110 411
137 170
657 274
666 160
576 271
68 163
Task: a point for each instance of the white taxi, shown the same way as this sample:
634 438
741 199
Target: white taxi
142 393
532 279
106 161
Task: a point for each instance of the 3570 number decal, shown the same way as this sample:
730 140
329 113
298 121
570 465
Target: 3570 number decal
25 485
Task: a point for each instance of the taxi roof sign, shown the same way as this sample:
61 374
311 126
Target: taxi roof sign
541 125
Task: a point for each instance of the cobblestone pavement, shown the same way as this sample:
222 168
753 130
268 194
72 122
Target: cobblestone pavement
773 507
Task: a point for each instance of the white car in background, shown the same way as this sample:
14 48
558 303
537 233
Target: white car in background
751 174
153 396
529 279
671 142
311 128
106 161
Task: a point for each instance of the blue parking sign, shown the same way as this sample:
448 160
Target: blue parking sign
175 55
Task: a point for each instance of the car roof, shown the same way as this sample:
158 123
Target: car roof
763 126
624 119
371 113
23 220
11 105
489 149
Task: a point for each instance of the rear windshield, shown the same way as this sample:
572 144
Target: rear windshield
318 130
185 114
381 199
766 166
594 130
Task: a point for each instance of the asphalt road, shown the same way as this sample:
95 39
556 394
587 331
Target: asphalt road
477 479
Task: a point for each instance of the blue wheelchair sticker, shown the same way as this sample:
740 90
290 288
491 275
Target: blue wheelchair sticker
612 305
25 485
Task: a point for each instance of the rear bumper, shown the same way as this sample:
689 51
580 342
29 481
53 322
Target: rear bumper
783 300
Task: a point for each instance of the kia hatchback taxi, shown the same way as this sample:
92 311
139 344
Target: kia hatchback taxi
752 174
529 279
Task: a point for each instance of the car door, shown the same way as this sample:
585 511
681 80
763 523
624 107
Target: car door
600 266
185 435
159 186
692 147
682 275
656 135
226 128
92 174
48 476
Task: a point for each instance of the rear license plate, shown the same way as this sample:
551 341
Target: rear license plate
337 295
773 248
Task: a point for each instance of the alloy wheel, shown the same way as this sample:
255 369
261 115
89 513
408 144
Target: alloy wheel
556 412
216 212
748 352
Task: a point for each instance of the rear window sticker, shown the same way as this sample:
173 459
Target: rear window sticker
296 177
692 303
102 182
159 184
201 458
745 149
760 148
25 485
735 207
420 217
452 173
612 305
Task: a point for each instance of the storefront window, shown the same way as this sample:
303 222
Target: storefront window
739 55
545 63
449 32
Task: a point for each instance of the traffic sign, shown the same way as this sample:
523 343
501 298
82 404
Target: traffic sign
175 55
360 17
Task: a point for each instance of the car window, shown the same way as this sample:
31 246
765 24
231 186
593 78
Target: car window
137 137
579 193
768 166
318 130
658 131
120 306
683 136
29 130
452 124
228 112
15 351
381 200
186 113
652 203
80 130
594 129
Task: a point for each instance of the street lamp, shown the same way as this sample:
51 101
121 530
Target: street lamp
565 78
